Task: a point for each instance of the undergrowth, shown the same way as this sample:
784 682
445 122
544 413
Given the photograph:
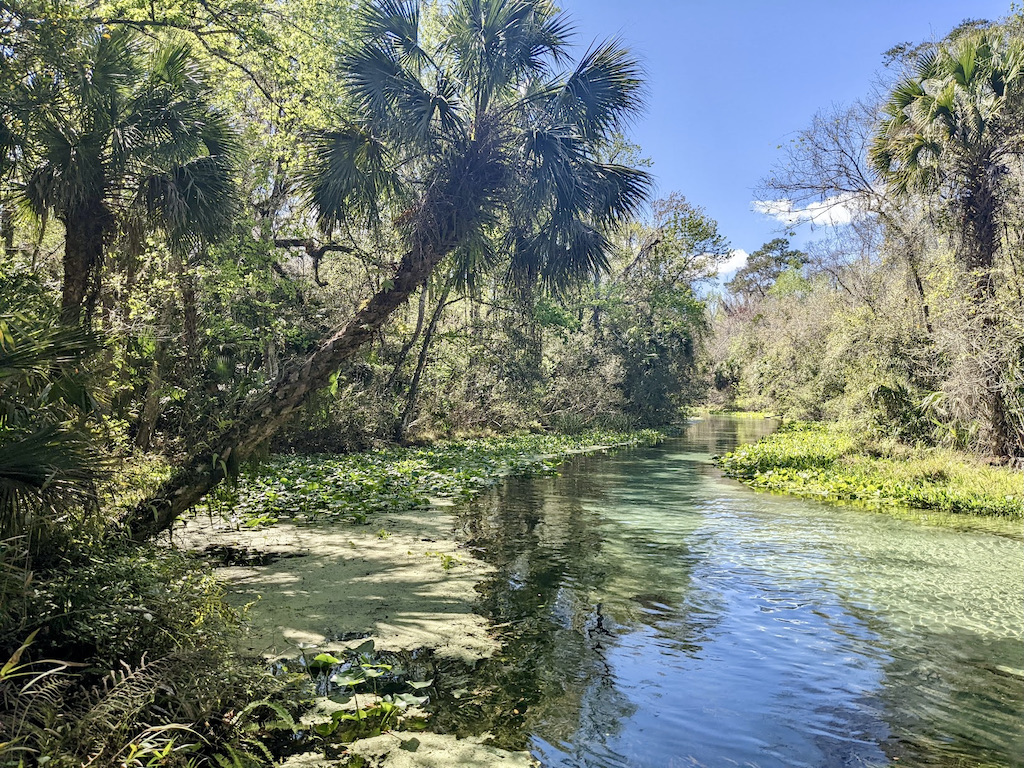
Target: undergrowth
123 656
833 461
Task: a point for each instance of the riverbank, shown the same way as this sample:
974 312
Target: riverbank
836 463
312 555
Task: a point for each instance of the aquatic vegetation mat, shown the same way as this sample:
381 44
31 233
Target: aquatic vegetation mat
831 461
352 487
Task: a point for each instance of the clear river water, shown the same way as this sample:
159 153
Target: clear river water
655 613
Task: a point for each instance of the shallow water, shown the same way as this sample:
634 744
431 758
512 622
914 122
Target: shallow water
655 613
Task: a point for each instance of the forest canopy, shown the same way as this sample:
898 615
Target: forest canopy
400 220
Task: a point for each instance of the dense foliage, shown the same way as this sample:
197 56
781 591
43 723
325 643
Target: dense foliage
230 228
351 487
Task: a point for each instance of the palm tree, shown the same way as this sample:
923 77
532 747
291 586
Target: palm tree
483 146
951 127
48 459
122 137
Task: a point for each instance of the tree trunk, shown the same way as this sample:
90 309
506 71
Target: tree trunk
189 313
915 273
449 211
7 228
264 415
421 362
150 404
476 344
421 313
980 235
978 250
84 230
912 245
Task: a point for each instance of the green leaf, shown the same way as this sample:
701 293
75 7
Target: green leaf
364 648
323 661
348 678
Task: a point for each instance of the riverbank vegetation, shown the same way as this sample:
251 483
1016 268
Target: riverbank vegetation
904 326
836 462
239 235
352 486
906 316
141 635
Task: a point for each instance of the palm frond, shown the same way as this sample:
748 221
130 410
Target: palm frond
605 90
395 23
46 476
351 171
620 192
35 354
497 44
194 202
106 64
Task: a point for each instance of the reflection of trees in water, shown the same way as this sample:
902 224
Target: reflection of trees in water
561 593
941 698
547 553
716 435
584 560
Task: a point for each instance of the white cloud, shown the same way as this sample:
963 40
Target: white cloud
737 259
831 212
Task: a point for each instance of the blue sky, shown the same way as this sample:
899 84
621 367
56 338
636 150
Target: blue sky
732 80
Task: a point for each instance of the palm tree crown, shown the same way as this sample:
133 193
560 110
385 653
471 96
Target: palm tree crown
476 130
951 125
123 137
474 136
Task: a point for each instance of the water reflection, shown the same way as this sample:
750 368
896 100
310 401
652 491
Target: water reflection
656 614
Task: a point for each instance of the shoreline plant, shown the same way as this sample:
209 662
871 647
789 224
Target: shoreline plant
835 462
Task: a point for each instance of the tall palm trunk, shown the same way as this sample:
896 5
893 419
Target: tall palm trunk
446 213
979 245
980 235
84 231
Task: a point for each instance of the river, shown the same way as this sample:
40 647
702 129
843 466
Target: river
655 613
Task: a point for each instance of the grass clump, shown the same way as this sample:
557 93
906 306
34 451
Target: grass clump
351 487
112 605
834 461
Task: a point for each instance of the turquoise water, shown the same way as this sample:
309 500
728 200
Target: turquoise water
655 613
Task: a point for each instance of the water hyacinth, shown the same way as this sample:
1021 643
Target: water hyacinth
834 462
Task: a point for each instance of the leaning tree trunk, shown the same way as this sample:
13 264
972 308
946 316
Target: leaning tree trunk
446 214
264 415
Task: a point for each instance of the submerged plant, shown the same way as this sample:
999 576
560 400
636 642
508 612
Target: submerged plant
388 696
447 561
